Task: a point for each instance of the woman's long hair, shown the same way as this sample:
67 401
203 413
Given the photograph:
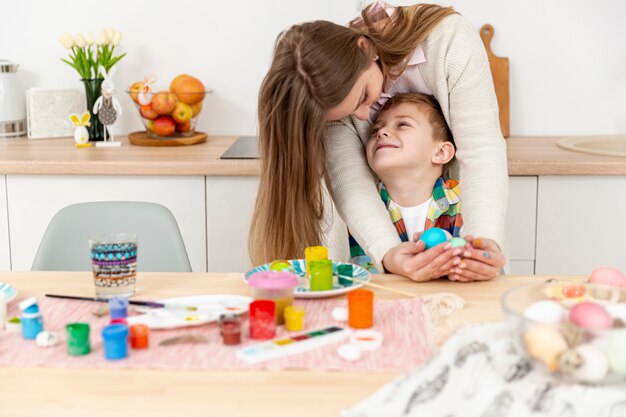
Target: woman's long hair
315 66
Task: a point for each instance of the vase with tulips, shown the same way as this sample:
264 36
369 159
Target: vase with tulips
86 55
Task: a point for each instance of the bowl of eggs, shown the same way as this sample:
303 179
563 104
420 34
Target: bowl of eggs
574 330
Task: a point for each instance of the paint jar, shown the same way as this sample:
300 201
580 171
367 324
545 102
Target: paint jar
139 336
118 309
262 319
276 286
361 309
344 270
321 275
3 310
294 318
314 253
32 322
78 339
230 329
115 337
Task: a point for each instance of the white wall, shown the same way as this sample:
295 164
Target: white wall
567 57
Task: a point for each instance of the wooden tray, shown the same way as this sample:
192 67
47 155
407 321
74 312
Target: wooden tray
143 138
500 73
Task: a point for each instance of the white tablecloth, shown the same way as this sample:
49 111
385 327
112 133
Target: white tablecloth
480 372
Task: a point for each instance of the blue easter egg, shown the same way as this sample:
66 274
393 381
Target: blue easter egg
434 236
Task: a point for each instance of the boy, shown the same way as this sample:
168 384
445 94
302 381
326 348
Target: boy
409 149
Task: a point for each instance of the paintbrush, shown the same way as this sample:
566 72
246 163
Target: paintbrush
151 304
382 287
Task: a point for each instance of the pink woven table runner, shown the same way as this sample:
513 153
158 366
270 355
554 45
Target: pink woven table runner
402 323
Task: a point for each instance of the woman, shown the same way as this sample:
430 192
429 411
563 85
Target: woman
324 83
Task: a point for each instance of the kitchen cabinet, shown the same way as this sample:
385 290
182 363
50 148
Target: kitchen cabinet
520 224
5 252
229 206
34 199
580 224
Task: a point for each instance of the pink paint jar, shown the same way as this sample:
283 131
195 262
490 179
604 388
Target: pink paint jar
276 286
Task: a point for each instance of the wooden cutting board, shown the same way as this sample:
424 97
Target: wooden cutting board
500 73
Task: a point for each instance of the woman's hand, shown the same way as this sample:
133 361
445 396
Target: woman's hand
412 260
482 261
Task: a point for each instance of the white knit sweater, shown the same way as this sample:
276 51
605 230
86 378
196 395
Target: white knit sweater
457 72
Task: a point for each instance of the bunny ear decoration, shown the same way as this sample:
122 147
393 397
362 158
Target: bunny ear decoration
111 72
74 118
84 121
102 71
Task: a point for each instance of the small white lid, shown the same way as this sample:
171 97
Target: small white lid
24 304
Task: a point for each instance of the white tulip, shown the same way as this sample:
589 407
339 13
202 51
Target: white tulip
117 38
90 39
102 40
67 41
110 34
80 41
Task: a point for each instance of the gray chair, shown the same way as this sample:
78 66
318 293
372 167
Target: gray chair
65 247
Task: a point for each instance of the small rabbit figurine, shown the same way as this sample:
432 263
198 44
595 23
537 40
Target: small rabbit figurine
107 107
81 134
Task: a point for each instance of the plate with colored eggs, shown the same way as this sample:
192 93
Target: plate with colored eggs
341 272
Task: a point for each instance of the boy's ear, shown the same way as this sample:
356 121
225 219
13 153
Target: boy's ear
444 154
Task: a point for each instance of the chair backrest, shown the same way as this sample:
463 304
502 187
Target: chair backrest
65 247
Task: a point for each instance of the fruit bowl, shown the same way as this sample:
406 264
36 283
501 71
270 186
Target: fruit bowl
172 112
574 330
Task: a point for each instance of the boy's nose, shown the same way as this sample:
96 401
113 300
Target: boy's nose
382 133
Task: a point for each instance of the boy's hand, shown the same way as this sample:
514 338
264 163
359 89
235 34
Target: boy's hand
482 261
413 261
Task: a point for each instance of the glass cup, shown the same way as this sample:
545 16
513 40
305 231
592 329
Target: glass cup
114 264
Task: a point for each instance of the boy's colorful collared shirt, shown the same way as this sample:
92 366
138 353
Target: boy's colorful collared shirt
444 212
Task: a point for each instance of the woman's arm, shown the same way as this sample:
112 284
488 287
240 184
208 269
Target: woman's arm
457 71
354 191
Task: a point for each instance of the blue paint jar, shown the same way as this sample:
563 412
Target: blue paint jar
115 338
118 308
32 322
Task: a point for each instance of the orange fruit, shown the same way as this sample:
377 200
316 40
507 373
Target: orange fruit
189 90
176 80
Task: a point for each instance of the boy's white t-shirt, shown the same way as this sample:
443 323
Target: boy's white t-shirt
414 217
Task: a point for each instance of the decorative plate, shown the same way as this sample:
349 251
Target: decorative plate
302 289
8 290
209 308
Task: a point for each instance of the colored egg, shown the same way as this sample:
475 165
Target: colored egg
281 265
616 351
573 290
608 276
594 366
545 311
591 315
457 242
544 343
433 237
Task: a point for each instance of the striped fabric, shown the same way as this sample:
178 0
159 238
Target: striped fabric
444 212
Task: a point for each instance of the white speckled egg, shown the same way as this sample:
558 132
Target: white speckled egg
545 311
595 365
617 311
545 343
47 339
608 276
591 315
616 351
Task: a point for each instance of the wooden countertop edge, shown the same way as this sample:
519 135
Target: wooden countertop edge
527 156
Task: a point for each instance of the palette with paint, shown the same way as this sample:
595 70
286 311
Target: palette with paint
290 345
209 309
303 290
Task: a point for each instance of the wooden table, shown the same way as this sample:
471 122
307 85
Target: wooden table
67 392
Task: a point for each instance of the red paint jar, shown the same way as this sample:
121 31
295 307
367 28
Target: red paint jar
230 329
